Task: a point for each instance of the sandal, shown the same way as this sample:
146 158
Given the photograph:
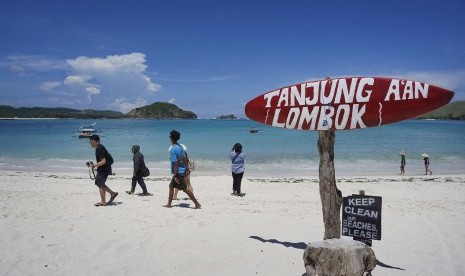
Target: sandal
113 198
98 204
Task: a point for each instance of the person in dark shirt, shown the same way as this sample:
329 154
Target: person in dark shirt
139 163
103 170
402 163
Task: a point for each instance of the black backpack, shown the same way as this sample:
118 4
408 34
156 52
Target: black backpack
109 158
110 161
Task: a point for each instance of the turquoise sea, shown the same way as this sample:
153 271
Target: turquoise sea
50 145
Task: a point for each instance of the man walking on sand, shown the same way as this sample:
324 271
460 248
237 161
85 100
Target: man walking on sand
103 170
178 169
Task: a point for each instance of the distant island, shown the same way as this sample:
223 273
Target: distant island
158 110
162 110
226 117
451 111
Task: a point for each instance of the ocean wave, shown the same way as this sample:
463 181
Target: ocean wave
281 167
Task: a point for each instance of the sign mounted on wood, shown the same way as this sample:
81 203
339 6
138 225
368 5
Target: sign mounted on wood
346 103
361 217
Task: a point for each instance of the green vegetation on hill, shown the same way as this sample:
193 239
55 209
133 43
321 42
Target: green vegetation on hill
58 112
451 111
226 117
160 110
156 111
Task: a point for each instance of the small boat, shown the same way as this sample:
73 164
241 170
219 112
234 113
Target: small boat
253 130
87 131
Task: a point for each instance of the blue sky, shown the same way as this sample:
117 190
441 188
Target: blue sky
212 57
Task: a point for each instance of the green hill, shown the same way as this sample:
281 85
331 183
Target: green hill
451 111
156 111
58 112
226 117
160 110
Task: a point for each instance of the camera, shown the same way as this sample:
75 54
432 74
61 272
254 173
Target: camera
89 163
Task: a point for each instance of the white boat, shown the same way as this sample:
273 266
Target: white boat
87 131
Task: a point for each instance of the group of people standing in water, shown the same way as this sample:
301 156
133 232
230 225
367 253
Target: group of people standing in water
180 170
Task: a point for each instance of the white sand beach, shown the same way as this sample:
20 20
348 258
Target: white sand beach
49 226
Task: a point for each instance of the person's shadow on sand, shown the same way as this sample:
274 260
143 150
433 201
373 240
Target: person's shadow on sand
183 205
297 245
114 203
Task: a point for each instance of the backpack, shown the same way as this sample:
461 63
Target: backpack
110 161
144 171
189 164
109 158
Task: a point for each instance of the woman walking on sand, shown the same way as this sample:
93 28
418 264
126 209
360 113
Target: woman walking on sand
137 177
426 159
237 167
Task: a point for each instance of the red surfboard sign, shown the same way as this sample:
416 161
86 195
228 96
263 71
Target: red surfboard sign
346 103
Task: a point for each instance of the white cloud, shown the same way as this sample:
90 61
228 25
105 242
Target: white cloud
172 100
122 105
150 85
77 80
121 80
93 90
50 85
134 62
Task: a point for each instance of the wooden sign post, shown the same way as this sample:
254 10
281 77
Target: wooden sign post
343 104
331 197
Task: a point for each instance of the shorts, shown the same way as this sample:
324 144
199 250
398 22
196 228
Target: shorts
182 182
100 180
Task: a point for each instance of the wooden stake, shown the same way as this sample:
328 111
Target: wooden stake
331 197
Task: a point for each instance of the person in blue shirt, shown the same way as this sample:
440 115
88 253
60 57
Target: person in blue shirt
237 157
188 173
178 169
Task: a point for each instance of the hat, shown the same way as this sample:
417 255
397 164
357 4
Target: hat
425 155
402 152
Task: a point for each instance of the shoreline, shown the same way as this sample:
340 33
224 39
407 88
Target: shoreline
308 168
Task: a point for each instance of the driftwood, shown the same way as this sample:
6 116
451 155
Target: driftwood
336 257
331 197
